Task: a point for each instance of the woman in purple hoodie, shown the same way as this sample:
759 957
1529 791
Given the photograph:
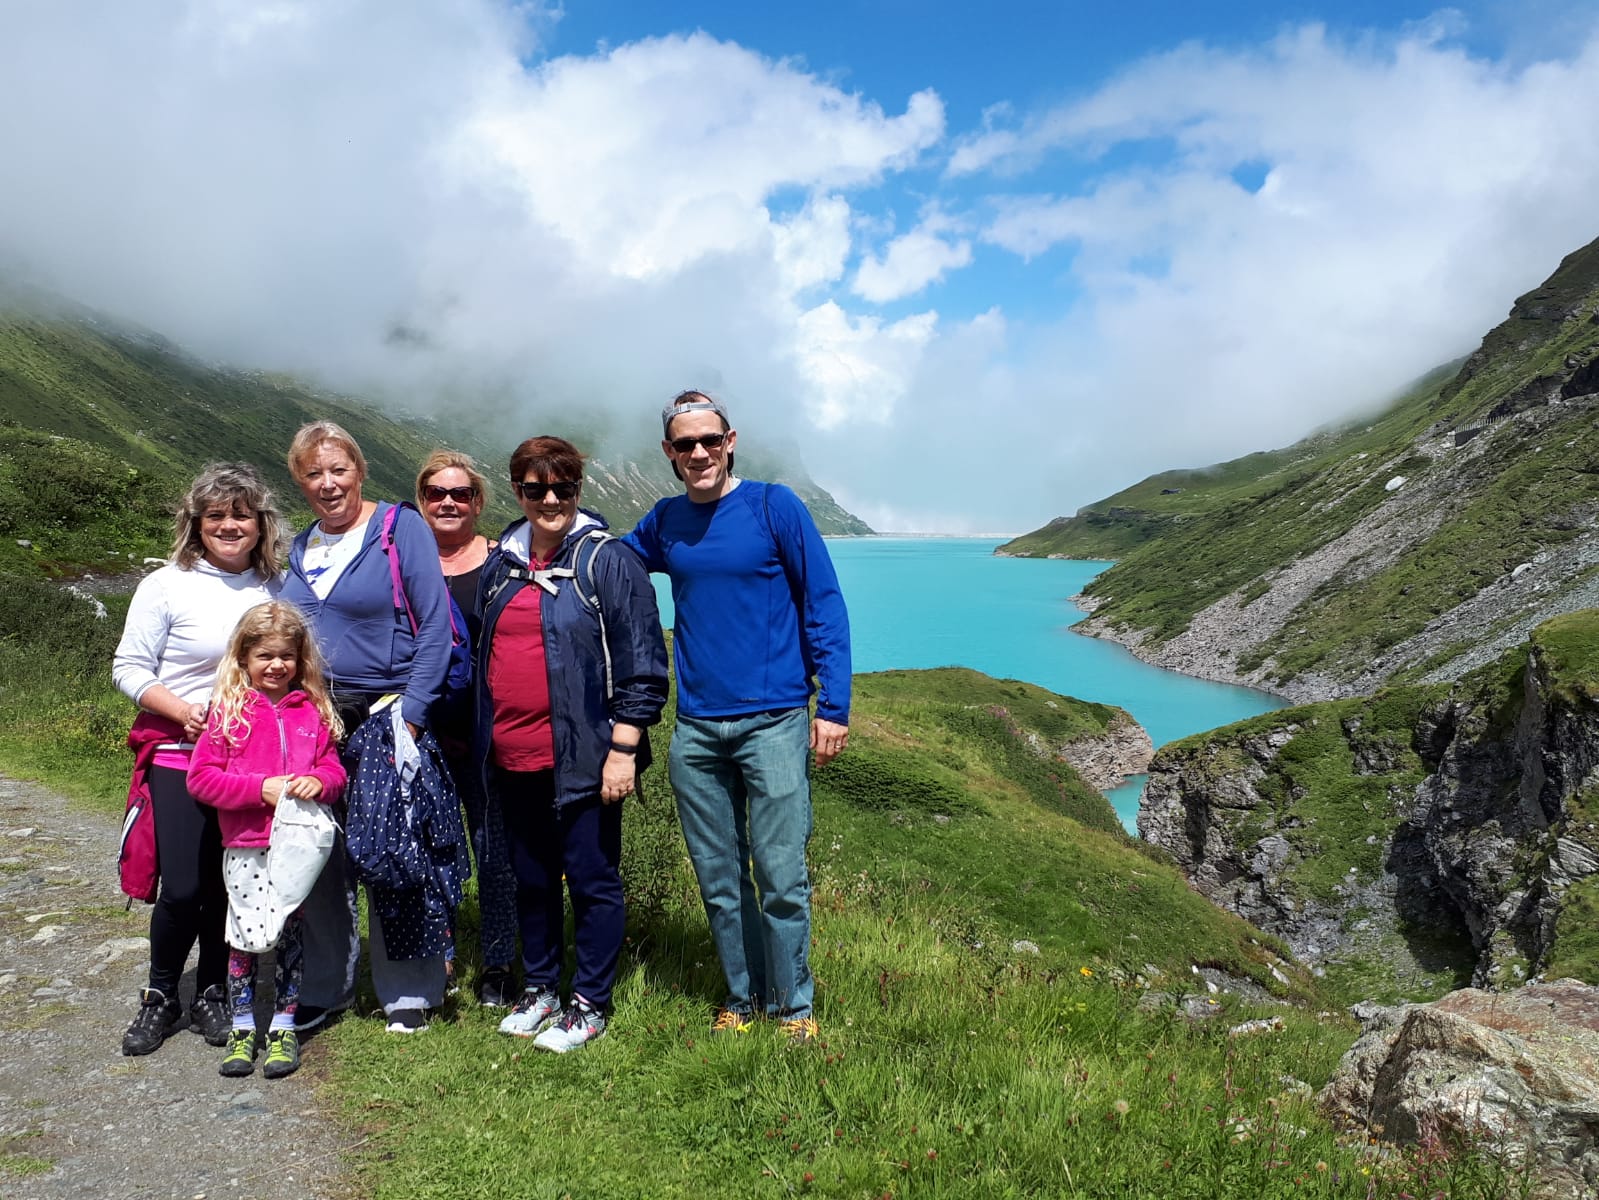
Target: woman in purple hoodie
339 576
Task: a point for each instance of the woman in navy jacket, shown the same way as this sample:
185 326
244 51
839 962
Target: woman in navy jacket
571 669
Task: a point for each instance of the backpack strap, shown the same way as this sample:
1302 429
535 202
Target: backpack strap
545 577
591 543
579 568
402 602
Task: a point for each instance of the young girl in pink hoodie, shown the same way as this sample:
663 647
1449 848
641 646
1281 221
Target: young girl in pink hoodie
272 732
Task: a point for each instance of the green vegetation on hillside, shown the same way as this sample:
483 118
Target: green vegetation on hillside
1252 526
1332 787
78 506
1568 649
1160 504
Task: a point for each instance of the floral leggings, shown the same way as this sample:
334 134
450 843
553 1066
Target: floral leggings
291 966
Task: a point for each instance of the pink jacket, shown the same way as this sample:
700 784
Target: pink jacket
289 739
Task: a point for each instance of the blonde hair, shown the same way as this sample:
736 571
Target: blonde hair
310 438
276 618
229 485
443 460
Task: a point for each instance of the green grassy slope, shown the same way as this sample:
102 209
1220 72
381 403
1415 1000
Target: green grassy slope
1162 504
956 1060
1526 394
120 419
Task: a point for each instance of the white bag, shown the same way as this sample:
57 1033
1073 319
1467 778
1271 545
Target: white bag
254 918
302 842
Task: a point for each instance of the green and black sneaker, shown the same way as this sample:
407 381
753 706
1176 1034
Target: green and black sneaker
240 1058
283 1054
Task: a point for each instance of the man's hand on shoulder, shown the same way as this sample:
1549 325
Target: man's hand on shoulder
827 739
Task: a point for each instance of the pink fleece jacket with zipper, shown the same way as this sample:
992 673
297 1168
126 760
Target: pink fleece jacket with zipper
287 738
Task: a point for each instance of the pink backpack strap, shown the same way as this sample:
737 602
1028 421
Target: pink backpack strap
402 602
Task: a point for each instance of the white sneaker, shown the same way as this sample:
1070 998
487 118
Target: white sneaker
407 1020
577 1025
536 1009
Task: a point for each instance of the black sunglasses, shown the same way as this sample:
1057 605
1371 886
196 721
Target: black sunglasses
461 495
533 490
711 441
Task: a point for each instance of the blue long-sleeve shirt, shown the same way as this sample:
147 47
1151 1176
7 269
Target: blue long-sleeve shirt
759 610
367 645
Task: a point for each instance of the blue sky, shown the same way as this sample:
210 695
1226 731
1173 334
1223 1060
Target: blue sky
1044 250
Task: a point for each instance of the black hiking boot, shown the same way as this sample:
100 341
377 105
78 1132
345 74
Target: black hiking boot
157 1020
210 1017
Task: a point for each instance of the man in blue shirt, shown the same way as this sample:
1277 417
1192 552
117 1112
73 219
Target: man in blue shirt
759 616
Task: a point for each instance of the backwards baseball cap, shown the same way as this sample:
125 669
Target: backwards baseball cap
688 402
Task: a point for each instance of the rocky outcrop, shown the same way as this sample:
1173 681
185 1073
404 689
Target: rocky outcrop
1415 830
1505 815
1106 759
1517 1072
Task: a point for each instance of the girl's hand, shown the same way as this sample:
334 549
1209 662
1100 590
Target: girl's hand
305 787
272 788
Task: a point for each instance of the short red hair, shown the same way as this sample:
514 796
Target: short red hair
552 459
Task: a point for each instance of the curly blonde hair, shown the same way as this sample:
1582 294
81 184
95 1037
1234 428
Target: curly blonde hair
276 618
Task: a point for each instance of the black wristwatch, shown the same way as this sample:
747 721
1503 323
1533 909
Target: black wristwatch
624 749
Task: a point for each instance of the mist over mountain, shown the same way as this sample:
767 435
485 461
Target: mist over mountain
1416 545
102 424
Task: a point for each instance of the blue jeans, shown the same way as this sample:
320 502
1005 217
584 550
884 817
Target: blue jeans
744 800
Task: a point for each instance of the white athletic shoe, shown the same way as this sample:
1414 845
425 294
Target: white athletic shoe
536 1009
577 1025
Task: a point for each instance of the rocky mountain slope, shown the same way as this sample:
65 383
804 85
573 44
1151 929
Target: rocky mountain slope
1414 546
102 424
1422 837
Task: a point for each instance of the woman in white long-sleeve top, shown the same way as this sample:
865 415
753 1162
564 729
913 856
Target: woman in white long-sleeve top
225 560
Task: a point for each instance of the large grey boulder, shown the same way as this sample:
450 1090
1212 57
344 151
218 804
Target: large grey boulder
1515 1071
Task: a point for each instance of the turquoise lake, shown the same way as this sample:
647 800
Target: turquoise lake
938 602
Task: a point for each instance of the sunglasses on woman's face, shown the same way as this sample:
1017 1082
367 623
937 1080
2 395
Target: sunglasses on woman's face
461 495
711 441
533 490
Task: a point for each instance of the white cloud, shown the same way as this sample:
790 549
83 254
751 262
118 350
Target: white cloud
912 261
857 369
1410 192
282 183
813 246
660 152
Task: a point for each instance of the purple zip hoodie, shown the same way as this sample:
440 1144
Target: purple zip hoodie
366 643
283 739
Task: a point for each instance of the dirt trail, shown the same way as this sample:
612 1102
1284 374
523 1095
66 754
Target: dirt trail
77 1118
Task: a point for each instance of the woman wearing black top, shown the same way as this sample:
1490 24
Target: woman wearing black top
451 493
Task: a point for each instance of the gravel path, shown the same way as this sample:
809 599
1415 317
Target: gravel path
77 1118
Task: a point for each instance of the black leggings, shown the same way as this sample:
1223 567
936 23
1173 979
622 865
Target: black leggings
193 904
